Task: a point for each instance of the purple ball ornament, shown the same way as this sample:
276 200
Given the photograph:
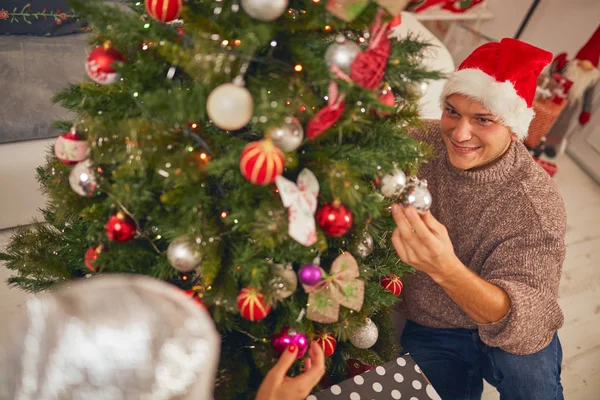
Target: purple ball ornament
310 274
280 341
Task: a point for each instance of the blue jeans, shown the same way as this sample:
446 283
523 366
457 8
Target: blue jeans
456 361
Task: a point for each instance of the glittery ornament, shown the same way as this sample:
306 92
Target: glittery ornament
90 257
83 179
392 284
363 245
334 219
287 136
416 194
99 64
284 280
230 106
265 10
281 340
71 147
393 183
164 10
342 53
327 342
184 254
366 336
120 227
310 274
252 305
261 162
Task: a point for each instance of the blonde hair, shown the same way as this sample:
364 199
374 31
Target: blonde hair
110 337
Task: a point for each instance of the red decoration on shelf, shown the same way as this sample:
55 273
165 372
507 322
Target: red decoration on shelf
334 219
99 64
71 147
328 115
164 10
91 255
120 227
368 68
392 283
328 343
252 304
549 167
261 162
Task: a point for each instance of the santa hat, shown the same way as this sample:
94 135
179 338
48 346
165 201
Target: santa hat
503 78
591 50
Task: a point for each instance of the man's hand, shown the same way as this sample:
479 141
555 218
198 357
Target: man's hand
278 386
422 242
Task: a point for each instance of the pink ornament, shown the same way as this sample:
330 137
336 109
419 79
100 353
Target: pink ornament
71 148
310 274
280 341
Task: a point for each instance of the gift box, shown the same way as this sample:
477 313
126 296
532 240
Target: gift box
398 379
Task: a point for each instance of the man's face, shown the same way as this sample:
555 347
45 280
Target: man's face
474 137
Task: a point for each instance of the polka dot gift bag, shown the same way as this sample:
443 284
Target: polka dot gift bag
398 379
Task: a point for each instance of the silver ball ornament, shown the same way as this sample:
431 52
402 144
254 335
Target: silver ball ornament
288 136
393 183
184 254
366 336
230 106
284 280
265 10
83 179
417 195
342 53
363 246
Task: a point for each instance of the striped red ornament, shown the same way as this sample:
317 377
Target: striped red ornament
328 343
252 304
392 283
261 162
164 10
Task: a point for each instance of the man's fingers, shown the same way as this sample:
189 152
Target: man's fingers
398 245
433 224
418 225
285 362
402 223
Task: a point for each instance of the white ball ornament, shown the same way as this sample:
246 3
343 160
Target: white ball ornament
366 336
184 254
288 136
265 10
230 106
393 183
342 53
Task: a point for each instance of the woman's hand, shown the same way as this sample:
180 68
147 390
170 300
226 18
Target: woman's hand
278 386
422 242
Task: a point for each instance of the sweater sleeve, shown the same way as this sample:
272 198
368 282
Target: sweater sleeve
528 268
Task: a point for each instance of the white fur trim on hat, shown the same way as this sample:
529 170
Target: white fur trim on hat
500 98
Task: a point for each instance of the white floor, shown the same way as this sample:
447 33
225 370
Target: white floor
579 292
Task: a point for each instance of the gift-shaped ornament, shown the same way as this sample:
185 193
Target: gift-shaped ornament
348 10
301 201
341 287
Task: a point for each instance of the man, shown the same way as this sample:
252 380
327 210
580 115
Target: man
488 255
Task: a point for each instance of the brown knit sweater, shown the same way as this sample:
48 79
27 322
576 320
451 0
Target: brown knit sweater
507 223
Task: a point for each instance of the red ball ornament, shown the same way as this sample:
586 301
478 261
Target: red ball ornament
261 162
71 147
99 64
91 255
334 219
120 227
392 284
387 98
164 10
328 343
252 304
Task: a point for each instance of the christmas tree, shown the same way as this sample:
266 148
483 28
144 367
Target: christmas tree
234 149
